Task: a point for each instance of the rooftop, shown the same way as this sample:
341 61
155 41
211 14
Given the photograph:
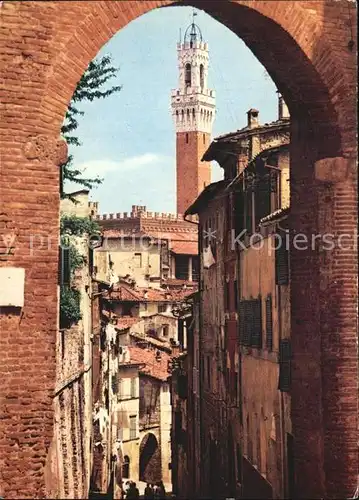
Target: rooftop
207 194
155 362
126 293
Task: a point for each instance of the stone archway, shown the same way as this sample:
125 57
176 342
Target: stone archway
304 47
150 459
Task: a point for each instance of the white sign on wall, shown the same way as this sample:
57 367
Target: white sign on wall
12 286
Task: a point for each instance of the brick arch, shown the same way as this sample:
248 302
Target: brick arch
290 46
303 45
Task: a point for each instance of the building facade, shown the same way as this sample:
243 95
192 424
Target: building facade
244 327
151 248
73 390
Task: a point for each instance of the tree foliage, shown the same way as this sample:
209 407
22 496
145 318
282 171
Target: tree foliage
94 84
70 312
78 226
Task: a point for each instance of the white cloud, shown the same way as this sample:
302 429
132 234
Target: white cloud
100 168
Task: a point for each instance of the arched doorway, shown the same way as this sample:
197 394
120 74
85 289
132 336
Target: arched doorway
126 471
150 459
306 52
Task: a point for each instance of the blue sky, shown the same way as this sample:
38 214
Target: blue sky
128 139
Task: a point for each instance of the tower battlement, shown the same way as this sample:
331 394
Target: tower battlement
155 216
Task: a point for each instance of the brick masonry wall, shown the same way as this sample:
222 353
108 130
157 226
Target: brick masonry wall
192 174
46 47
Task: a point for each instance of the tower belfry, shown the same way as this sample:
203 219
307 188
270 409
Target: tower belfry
193 110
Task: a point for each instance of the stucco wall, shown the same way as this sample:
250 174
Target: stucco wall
122 252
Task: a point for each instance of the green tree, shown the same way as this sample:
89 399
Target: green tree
94 84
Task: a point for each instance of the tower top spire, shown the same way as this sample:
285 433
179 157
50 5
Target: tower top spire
193 33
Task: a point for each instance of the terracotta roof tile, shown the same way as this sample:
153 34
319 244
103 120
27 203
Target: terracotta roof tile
161 344
126 293
184 247
125 322
155 367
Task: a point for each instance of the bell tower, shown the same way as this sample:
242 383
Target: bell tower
193 110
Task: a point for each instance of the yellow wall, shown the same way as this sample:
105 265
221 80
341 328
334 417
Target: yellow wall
125 261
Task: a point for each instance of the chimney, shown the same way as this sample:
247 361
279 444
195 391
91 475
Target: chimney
252 120
283 112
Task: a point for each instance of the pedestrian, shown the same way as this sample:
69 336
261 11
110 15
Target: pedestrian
133 492
156 491
162 489
149 491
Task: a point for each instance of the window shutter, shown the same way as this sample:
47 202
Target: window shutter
64 274
227 295
239 212
284 365
114 383
59 269
256 337
241 321
247 322
91 266
282 262
262 198
269 323
248 211
235 291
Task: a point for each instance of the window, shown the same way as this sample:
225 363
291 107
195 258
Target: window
262 196
235 291
138 260
284 365
269 323
249 209
187 139
119 434
188 75
91 261
64 266
114 384
250 322
195 268
204 138
182 267
201 75
282 261
235 388
227 299
133 430
126 467
165 331
209 371
161 308
133 388
165 257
